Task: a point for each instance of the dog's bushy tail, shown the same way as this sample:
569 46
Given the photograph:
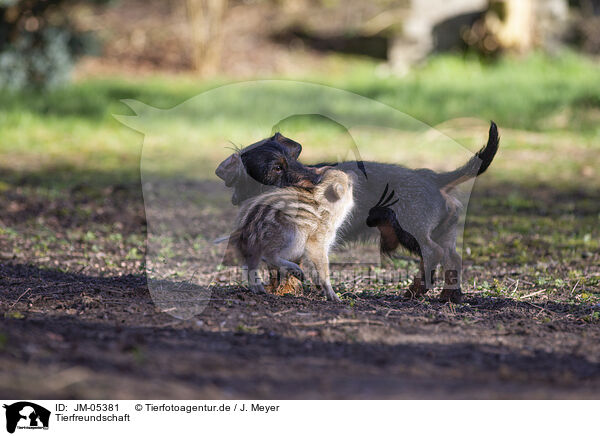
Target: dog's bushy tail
475 166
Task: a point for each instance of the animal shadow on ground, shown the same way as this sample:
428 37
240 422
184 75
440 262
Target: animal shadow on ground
68 335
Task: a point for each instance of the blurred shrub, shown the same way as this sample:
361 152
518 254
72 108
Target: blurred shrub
38 43
586 33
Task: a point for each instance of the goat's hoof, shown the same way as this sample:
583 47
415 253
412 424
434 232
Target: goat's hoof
452 295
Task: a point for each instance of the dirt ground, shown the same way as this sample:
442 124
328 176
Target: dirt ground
78 320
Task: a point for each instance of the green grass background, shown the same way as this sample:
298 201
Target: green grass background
548 110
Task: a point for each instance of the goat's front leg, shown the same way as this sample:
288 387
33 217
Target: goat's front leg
431 255
417 288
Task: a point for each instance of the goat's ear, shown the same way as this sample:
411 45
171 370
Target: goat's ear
335 192
230 169
293 147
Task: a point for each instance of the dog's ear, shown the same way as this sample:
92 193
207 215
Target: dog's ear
292 146
321 170
230 169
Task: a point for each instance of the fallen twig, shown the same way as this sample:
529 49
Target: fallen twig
20 296
521 280
282 312
336 321
537 307
533 293
573 290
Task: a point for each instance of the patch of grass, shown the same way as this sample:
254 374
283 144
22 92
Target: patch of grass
139 355
133 254
69 134
517 93
244 329
593 318
13 314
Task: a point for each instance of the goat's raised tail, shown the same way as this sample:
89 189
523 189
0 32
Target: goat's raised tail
475 166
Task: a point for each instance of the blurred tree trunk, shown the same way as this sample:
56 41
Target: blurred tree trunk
512 24
205 18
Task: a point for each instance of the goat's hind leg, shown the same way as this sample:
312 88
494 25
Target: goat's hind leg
452 277
452 264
